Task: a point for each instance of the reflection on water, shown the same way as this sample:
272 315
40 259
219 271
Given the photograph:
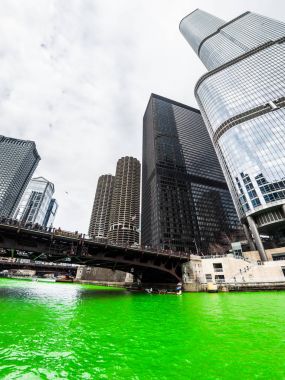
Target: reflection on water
70 331
41 292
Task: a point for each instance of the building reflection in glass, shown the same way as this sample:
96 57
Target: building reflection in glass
242 100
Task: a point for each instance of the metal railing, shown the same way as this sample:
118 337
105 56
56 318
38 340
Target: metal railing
76 235
19 261
225 255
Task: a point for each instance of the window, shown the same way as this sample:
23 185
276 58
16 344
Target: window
218 267
208 277
219 278
280 256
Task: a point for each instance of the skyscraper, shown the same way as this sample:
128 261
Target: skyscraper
100 217
18 161
50 214
186 204
36 201
125 208
242 100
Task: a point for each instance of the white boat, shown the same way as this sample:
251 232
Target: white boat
43 279
212 287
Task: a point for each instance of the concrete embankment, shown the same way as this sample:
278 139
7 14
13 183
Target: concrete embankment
253 287
233 273
235 287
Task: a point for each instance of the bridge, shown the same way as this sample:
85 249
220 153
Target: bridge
54 245
41 268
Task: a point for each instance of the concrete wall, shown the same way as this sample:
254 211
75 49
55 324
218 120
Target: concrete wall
274 251
199 271
254 255
100 274
251 255
231 268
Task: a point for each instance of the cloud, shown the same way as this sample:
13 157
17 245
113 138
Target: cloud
75 77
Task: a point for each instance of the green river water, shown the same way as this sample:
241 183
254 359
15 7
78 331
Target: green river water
69 331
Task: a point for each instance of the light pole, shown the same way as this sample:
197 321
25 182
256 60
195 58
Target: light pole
196 247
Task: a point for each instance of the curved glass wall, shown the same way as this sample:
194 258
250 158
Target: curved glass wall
242 101
197 26
239 37
217 42
247 84
254 152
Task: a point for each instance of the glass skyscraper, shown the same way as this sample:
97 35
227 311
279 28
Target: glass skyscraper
242 100
186 204
18 161
51 213
36 202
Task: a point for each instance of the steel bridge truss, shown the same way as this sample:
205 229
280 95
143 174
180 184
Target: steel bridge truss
148 266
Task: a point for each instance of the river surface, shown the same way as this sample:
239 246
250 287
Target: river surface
69 331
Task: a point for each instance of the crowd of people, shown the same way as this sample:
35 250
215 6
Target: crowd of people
39 227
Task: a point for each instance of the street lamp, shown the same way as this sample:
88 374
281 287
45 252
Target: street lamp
196 247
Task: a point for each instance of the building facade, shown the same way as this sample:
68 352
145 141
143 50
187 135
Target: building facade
186 204
125 207
18 161
242 101
100 217
50 214
36 201
233 272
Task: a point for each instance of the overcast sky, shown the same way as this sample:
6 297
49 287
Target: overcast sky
76 76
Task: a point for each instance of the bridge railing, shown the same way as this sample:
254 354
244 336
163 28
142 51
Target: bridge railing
26 225
21 261
168 252
38 227
59 232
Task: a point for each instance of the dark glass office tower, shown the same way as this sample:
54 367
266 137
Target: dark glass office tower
18 161
186 205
